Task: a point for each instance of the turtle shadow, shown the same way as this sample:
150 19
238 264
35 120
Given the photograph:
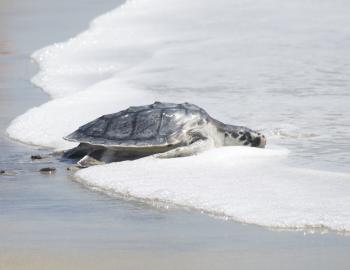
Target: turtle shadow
101 154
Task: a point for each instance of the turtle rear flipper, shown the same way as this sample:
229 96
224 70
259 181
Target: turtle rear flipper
88 161
77 152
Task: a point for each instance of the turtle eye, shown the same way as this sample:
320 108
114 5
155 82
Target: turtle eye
240 132
234 135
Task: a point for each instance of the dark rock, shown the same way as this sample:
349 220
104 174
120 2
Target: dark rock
34 157
48 170
2 171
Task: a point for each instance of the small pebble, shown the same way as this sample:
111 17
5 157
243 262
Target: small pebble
73 168
7 173
33 157
48 170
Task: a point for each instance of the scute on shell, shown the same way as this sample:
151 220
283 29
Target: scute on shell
158 124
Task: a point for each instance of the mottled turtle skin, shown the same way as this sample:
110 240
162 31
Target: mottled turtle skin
156 128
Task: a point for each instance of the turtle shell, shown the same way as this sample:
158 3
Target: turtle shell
158 124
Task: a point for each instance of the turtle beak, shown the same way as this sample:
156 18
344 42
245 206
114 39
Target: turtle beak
262 141
259 141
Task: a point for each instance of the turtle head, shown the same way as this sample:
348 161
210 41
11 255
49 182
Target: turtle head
235 135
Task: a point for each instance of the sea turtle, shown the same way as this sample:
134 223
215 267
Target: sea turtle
162 129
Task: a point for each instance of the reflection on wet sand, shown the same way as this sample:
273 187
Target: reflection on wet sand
4 51
5 66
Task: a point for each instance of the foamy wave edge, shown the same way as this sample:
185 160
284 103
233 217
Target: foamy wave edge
221 181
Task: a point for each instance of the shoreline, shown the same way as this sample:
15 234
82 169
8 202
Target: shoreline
43 215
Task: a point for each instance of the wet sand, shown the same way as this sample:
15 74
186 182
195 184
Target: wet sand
48 221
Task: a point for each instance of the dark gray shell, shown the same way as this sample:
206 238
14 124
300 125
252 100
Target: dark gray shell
158 124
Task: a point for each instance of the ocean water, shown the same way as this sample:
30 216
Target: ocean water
281 67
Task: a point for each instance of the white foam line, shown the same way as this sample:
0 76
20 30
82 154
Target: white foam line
249 185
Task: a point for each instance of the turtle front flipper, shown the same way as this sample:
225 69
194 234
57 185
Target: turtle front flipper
188 150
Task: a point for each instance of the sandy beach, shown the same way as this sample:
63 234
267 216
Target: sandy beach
53 222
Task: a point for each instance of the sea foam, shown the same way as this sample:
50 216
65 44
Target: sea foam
248 184
276 66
